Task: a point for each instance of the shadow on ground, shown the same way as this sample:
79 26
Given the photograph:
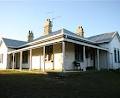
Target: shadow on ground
60 85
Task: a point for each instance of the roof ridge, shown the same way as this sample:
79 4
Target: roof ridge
48 34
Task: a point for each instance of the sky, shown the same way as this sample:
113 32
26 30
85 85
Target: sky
17 17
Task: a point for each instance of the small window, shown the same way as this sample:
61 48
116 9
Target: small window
25 57
1 58
115 55
118 56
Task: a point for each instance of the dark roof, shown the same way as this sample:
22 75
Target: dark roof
65 31
77 37
50 34
41 37
102 38
11 43
69 32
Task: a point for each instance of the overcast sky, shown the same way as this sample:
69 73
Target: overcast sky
17 17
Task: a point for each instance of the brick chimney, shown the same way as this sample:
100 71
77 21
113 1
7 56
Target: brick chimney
47 26
80 31
30 36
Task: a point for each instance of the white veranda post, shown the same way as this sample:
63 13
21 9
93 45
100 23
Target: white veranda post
84 59
13 66
20 60
63 55
44 58
30 59
98 63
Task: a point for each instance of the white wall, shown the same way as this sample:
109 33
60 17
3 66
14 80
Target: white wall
36 58
57 50
103 59
9 59
3 50
115 43
69 56
10 49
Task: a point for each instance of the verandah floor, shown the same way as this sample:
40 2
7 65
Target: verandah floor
15 84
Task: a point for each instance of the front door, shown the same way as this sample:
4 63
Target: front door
49 58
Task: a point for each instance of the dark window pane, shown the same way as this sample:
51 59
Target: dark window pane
115 55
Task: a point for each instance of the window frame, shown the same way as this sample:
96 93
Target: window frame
115 55
1 58
118 55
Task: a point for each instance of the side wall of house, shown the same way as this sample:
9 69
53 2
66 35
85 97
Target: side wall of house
37 58
57 50
103 59
69 56
114 44
9 59
3 53
107 55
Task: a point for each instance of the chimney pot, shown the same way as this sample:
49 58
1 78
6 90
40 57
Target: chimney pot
30 36
80 31
47 26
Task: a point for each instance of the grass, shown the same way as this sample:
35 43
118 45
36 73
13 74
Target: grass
14 84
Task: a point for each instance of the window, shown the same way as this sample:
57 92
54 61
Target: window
115 55
49 53
0 42
1 58
118 56
78 53
25 57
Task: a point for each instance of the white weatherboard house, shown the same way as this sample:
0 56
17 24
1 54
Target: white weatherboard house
61 50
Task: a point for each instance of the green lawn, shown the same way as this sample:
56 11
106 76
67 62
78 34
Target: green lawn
72 85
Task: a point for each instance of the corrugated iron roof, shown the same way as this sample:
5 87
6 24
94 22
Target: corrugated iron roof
11 43
50 34
102 38
65 31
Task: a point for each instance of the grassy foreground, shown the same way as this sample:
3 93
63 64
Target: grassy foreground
72 85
